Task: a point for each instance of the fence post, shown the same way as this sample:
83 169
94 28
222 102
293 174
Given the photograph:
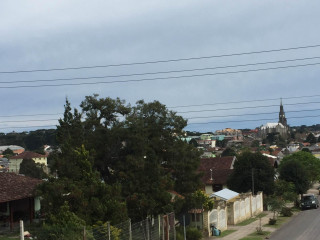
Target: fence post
184 227
21 230
130 230
147 228
109 232
84 233
174 226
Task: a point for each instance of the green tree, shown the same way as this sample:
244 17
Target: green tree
8 153
310 162
29 168
63 225
228 152
311 138
294 171
252 169
154 156
193 142
136 149
81 187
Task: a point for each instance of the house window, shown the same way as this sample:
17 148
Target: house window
216 187
195 217
3 207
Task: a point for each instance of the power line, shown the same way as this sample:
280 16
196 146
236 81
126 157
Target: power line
245 101
154 73
220 116
237 108
252 114
30 115
158 78
247 120
39 127
252 120
160 61
257 100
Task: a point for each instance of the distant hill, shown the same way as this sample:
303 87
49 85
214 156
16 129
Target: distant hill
33 140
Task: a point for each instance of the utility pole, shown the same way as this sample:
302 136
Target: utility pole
252 176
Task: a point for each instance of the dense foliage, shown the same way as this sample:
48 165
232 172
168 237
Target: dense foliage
115 159
252 169
28 167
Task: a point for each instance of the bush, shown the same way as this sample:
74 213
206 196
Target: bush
272 221
193 233
286 212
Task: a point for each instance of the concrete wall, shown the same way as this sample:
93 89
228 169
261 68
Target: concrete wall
218 217
244 208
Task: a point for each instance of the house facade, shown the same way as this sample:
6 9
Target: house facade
17 199
15 161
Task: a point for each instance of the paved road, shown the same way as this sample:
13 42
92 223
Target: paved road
306 225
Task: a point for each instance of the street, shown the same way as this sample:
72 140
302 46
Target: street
306 225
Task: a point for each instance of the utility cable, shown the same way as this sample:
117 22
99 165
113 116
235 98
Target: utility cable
154 73
160 61
159 78
237 108
252 114
252 120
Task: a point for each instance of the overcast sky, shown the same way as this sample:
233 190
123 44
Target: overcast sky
40 35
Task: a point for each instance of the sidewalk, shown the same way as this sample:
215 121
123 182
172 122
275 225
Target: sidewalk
243 231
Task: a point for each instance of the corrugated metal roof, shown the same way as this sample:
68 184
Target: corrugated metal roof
225 194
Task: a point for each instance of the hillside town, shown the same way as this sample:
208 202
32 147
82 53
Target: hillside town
219 154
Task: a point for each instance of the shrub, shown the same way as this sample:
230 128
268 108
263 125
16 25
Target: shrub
286 212
193 233
272 221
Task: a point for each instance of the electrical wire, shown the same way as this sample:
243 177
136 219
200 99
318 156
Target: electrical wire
245 101
252 120
158 78
252 114
154 73
237 108
161 61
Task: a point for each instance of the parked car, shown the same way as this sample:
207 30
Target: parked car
309 201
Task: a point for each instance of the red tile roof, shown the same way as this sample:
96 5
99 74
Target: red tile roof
221 169
15 187
28 155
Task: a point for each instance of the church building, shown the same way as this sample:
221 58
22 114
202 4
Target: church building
280 127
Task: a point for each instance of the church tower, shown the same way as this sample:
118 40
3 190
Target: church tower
282 117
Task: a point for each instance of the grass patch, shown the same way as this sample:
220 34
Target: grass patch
246 222
256 236
9 237
280 221
225 233
251 220
261 215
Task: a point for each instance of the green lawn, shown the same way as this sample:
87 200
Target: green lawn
256 236
9 236
280 221
251 220
225 233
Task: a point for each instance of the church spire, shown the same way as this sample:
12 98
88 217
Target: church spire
282 117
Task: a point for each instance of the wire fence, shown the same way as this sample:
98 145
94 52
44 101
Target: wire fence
155 228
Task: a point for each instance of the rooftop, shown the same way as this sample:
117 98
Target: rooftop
15 187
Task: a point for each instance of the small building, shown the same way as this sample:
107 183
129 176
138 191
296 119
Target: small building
15 161
216 172
17 199
14 148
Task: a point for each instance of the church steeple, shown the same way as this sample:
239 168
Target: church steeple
282 117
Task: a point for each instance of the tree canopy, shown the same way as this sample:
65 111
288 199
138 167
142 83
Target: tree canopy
252 169
135 150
